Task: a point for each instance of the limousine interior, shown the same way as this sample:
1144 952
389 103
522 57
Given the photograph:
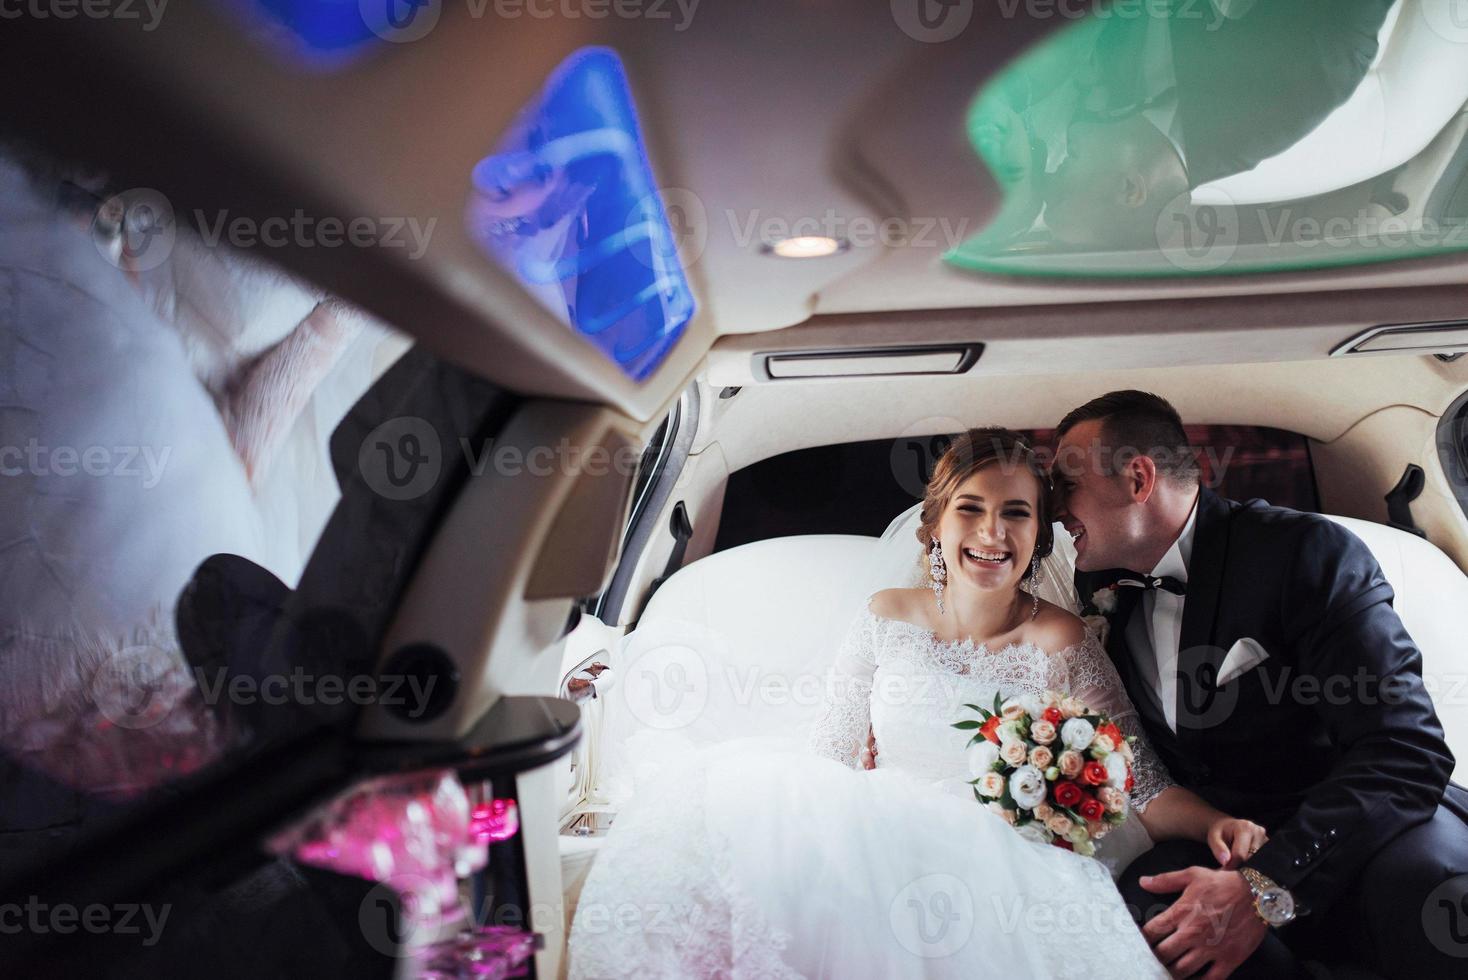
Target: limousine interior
818 192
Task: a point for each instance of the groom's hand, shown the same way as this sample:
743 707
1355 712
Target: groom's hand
1212 924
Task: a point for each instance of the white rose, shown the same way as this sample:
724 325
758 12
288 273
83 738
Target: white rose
1030 704
1116 771
1013 753
1077 734
1034 833
1102 746
1104 600
1008 731
982 756
1027 786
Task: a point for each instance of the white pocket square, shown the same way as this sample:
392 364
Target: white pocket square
1243 656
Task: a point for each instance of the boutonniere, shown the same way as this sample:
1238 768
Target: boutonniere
1104 600
1098 611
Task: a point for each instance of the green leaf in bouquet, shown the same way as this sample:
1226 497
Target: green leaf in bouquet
974 706
998 704
967 725
977 795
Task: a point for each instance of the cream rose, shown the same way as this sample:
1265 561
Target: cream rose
1059 824
1102 746
991 784
1070 764
1013 753
1071 708
1043 811
1013 711
1113 799
1041 757
1043 732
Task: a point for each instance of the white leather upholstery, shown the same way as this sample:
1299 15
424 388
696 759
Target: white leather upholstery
735 645
1432 599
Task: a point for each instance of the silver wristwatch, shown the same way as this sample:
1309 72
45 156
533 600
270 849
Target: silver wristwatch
1274 903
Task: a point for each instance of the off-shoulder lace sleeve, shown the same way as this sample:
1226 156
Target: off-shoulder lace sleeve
1087 673
847 712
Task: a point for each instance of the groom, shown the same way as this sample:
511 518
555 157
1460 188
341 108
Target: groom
1274 679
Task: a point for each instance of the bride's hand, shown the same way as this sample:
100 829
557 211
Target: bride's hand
869 750
1234 840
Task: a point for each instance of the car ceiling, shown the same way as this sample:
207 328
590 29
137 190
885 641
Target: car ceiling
758 114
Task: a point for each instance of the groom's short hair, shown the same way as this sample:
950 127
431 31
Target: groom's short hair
1138 423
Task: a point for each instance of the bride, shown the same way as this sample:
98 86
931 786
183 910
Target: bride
753 862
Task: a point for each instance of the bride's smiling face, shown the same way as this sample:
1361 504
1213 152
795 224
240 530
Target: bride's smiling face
988 530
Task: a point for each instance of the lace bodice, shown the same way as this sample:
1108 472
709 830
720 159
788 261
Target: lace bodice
910 687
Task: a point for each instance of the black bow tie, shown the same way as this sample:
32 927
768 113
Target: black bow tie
1149 582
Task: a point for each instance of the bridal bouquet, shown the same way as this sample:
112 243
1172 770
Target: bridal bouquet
1052 768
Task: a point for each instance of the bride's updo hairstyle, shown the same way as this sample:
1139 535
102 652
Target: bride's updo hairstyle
970 452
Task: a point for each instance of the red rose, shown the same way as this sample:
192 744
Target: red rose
988 729
1110 729
1094 774
1062 842
1129 783
1091 809
1053 716
1068 793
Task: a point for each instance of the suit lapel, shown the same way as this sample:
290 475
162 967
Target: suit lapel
1206 566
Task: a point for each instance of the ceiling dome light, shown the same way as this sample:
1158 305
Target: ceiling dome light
805 247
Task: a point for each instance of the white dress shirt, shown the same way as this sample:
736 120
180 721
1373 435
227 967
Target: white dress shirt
1154 633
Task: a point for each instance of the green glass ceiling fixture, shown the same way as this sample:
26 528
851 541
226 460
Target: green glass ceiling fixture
1194 137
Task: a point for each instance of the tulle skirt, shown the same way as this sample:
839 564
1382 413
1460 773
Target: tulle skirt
753 860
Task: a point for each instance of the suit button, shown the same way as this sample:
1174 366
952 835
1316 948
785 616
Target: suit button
1330 834
1300 862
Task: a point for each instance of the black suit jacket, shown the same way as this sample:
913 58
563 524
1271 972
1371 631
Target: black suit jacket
1332 743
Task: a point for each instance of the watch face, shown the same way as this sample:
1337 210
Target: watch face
1277 906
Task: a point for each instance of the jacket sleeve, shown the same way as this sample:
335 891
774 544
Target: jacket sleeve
1337 617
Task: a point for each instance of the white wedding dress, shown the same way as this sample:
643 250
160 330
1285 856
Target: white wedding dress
757 860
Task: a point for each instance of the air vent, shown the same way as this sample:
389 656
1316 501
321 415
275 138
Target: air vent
866 362
1443 337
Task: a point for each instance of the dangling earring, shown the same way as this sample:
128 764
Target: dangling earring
937 573
1034 585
